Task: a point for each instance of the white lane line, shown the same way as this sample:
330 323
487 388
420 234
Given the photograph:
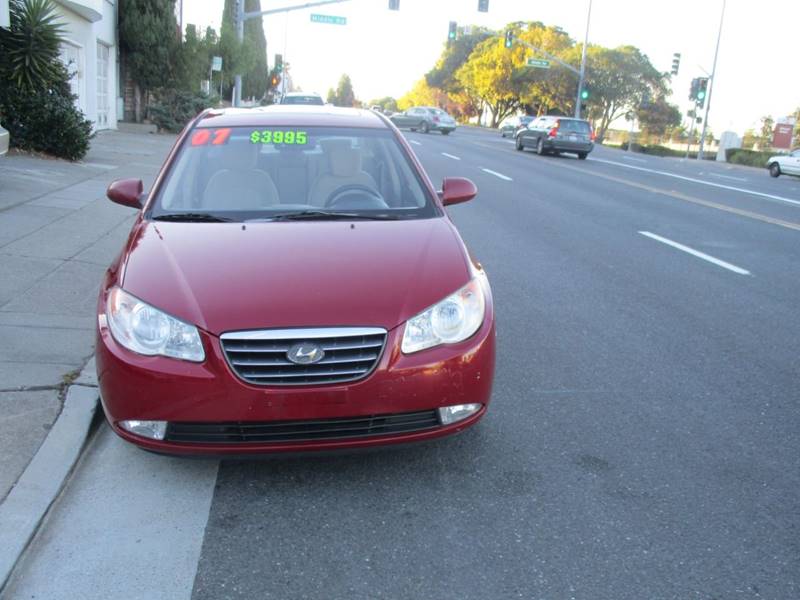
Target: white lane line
728 177
450 156
641 160
415 142
700 181
697 253
496 174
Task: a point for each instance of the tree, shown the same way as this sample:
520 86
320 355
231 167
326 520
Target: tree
421 95
254 80
796 116
765 133
149 45
344 95
237 57
749 139
487 76
617 79
658 117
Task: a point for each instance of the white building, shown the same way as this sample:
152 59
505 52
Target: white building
90 53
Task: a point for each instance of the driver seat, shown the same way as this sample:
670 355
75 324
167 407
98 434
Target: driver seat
344 168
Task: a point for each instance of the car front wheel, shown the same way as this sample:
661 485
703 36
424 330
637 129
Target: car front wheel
774 169
424 127
519 144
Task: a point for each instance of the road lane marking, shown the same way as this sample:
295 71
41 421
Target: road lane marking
633 158
415 142
696 253
728 177
496 174
450 156
700 181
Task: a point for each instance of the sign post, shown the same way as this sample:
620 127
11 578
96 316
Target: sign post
782 134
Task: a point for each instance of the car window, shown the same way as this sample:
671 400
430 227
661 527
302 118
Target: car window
437 111
255 172
574 126
796 153
525 120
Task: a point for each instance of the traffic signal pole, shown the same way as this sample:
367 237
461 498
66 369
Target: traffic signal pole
240 17
583 64
711 88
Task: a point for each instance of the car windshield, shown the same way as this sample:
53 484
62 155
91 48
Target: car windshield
246 173
313 100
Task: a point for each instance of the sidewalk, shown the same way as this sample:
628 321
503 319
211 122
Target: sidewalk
58 234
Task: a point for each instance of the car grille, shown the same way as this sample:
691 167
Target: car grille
243 432
261 357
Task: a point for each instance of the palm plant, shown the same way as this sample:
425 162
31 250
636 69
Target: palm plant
29 48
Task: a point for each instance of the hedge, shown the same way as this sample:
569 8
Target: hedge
173 109
751 158
658 150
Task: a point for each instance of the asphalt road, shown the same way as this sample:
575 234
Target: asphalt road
643 439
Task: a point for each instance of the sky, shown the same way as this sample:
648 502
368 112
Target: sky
384 52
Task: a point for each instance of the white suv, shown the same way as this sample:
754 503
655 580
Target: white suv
785 164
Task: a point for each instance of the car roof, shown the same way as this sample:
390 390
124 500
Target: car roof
302 94
292 115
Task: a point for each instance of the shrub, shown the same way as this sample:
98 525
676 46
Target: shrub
750 158
45 121
172 109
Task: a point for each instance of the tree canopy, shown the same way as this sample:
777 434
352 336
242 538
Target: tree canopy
343 95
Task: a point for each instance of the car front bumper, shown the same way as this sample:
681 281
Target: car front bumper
209 395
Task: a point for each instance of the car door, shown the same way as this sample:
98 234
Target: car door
533 131
402 119
794 162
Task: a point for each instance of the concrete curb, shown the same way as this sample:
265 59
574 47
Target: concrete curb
39 485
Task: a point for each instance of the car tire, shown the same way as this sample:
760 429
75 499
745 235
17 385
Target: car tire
502 134
424 127
445 132
582 155
519 145
540 146
413 128
774 169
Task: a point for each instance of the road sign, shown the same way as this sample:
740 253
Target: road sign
328 19
216 63
538 63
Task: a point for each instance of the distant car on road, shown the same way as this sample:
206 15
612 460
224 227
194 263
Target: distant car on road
425 119
376 108
511 125
302 98
556 135
785 164
4 140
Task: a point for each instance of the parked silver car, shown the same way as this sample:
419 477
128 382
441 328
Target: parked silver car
512 124
556 135
5 138
425 119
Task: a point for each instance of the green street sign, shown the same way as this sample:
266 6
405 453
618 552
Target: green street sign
538 63
329 19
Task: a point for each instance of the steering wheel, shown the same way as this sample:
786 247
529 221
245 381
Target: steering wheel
355 196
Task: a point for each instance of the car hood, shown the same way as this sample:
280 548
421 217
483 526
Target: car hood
229 276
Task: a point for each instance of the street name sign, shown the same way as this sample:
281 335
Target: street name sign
329 19
216 63
538 63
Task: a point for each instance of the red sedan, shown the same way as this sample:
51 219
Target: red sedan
292 282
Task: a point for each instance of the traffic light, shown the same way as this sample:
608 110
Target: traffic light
584 94
451 32
693 89
702 89
394 4
676 62
279 63
483 5
275 81
509 38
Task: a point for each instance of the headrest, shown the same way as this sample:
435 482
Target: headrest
344 160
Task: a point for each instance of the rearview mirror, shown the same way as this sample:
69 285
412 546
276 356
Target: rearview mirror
456 190
127 192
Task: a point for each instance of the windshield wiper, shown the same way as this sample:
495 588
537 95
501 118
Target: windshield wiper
325 215
192 217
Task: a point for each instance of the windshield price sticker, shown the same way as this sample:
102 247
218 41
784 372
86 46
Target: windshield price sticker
267 136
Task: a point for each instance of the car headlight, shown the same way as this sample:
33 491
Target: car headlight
146 330
454 319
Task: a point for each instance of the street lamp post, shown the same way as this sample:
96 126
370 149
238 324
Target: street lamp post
712 85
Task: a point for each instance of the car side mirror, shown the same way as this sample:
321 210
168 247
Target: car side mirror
456 190
127 192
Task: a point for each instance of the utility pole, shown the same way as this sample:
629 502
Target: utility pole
583 64
713 82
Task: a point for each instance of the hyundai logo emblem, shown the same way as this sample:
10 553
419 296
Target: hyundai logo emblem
305 353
